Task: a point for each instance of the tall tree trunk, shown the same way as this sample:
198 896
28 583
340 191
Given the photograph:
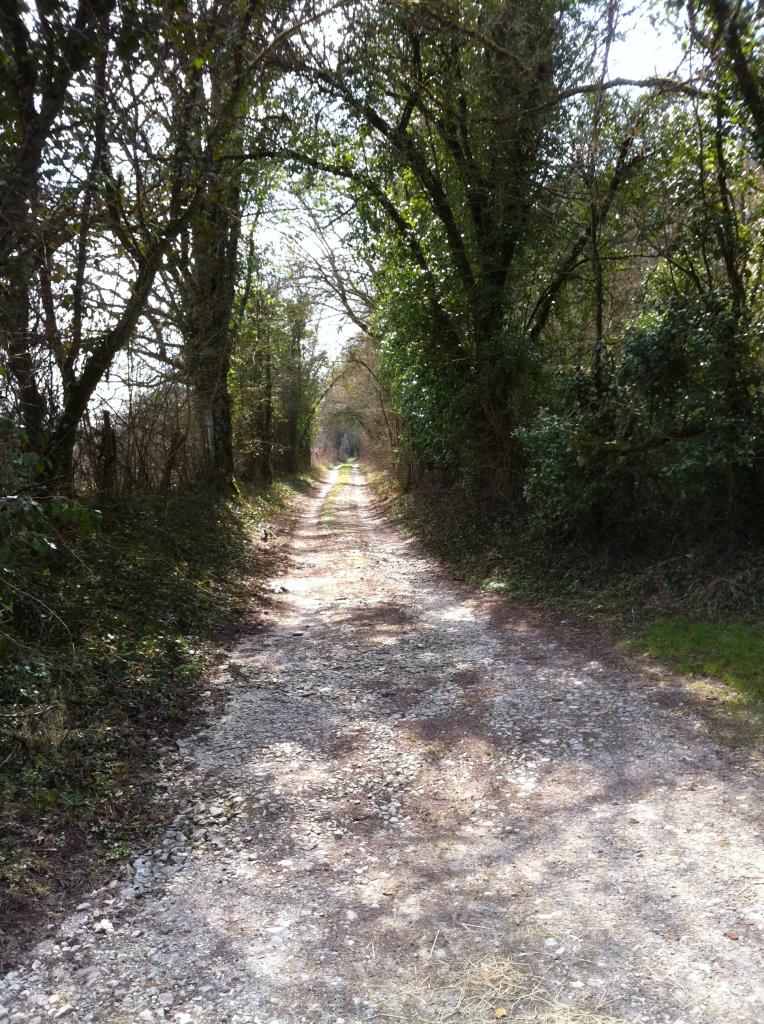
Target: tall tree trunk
295 398
14 332
266 460
214 236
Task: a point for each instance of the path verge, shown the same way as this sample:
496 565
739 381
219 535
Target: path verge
103 668
634 617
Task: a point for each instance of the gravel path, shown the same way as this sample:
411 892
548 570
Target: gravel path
407 812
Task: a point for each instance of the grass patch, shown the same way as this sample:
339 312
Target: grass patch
730 650
344 479
489 989
102 658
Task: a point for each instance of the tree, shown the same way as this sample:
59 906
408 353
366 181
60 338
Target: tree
277 375
135 94
733 34
109 217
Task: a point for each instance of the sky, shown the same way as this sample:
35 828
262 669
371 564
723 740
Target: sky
644 51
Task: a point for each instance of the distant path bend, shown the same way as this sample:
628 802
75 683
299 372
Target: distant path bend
408 812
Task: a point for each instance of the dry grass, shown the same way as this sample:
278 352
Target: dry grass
489 989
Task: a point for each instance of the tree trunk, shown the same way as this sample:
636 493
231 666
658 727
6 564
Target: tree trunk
15 340
266 460
107 456
214 236
213 410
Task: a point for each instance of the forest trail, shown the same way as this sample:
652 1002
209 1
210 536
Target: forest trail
408 811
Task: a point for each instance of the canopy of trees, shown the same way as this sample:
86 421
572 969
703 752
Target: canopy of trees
554 274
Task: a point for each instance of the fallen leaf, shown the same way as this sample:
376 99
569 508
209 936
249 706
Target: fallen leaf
499 1012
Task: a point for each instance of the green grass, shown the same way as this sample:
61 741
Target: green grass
730 650
345 475
101 659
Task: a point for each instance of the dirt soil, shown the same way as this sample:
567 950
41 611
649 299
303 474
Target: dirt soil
411 808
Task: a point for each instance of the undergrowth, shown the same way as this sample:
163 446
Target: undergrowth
102 654
698 611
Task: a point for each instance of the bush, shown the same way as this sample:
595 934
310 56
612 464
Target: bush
670 443
28 523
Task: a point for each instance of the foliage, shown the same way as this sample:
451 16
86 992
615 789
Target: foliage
356 415
29 524
567 301
672 442
446 125
117 125
276 380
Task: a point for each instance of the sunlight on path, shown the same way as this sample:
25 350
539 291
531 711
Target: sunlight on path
407 812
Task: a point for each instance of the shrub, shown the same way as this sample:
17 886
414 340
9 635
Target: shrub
671 442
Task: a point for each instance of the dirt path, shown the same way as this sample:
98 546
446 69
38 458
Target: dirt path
406 813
